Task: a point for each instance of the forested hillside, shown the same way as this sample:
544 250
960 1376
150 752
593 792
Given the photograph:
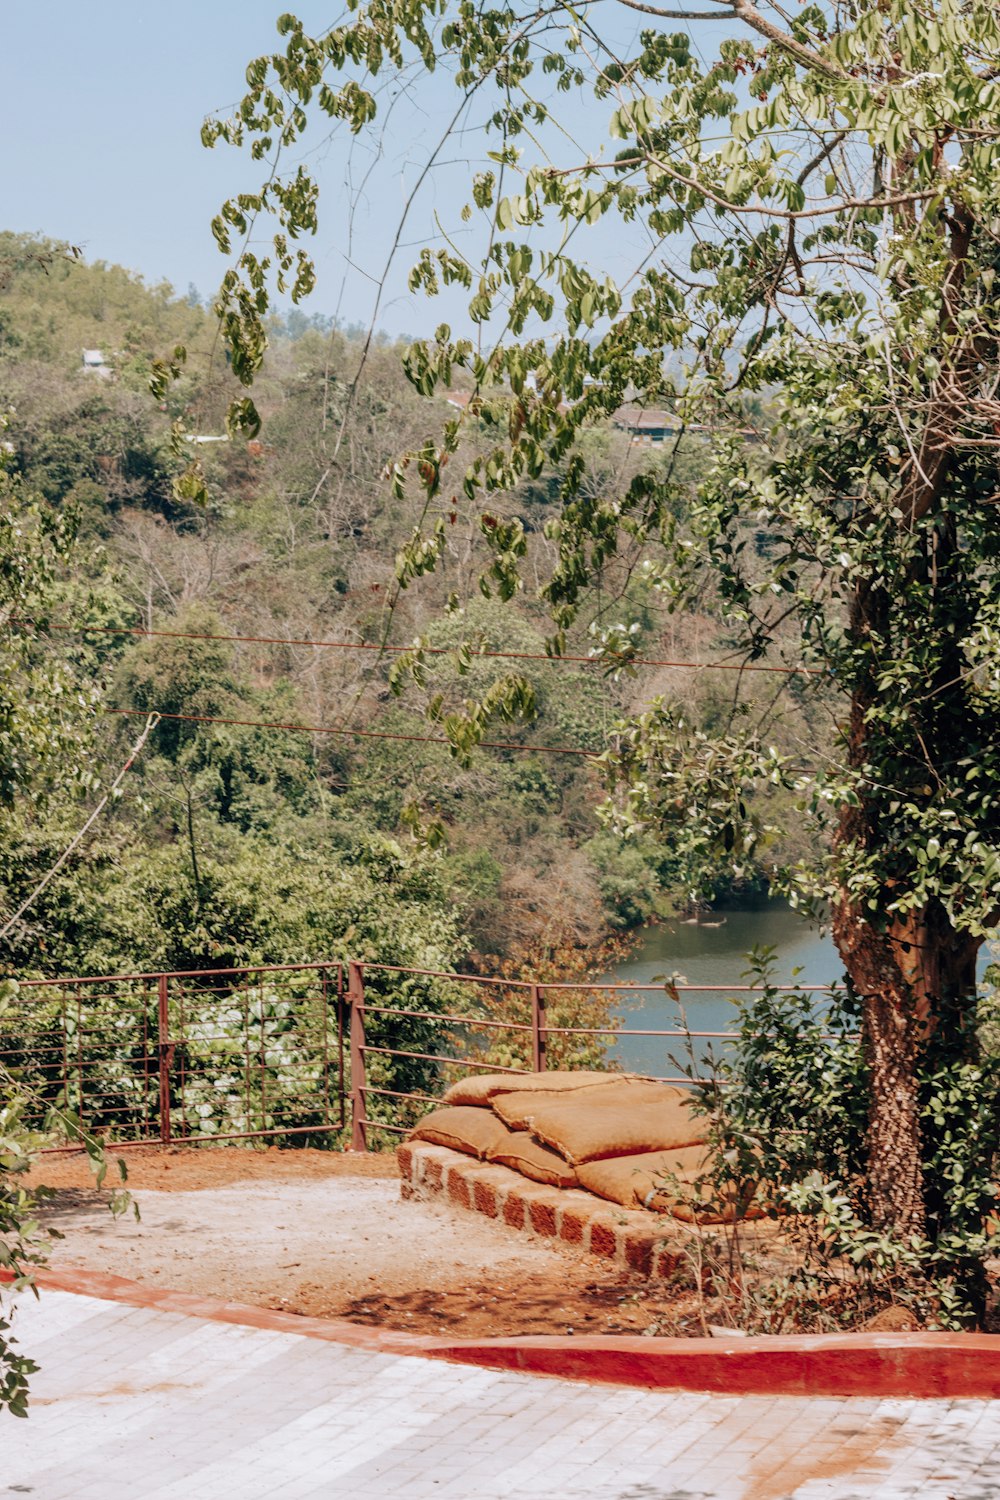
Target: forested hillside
229 842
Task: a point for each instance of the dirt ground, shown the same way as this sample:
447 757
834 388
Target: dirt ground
326 1234
180 1169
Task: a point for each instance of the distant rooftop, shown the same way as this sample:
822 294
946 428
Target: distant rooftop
645 424
94 360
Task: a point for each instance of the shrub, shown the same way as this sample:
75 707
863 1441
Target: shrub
789 1109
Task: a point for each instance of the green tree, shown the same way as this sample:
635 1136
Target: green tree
45 716
40 703
823 202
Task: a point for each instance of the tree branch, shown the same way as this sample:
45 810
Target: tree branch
9 925
751 16
678 15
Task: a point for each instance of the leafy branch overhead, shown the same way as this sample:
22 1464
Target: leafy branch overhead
823 188
816 210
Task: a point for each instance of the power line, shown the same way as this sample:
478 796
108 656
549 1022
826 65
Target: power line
365 734
276 640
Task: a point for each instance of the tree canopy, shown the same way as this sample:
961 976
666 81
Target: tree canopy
817 291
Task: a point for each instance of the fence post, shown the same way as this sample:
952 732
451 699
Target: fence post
356 1000
164 1048
537 1023
341 1070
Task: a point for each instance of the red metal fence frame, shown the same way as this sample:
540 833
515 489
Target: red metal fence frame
161 1051
342 1010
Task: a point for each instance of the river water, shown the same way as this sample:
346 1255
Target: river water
714 955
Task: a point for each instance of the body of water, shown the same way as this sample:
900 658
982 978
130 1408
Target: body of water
713 954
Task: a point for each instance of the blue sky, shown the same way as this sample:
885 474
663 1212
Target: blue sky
107 99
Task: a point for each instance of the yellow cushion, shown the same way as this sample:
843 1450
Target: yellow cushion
462 1128
521 1152
481 1088
519 1107
664 1181
624 1121
643 1181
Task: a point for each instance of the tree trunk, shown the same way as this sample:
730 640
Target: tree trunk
904 977
908 970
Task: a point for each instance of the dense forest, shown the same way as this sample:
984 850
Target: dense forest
229 843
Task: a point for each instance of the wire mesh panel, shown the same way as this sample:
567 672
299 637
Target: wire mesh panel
199 1056
254 1053
89 1048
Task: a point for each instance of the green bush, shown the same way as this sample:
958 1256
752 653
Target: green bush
789 1109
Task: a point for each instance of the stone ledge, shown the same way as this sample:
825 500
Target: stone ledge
632 1238
880 1365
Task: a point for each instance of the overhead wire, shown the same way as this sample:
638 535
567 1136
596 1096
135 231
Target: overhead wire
365 734
271 640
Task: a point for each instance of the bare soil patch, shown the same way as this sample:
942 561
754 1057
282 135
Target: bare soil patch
326 1234
186 1169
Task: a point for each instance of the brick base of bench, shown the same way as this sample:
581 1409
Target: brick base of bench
633 1238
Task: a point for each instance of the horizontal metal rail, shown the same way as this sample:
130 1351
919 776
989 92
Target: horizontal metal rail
731 1036
200 1140
72 979
509 984
439 1057
397 1094
680 989
150 1056
435 1015
596 985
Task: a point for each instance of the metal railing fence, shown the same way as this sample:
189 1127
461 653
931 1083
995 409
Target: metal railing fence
303 1051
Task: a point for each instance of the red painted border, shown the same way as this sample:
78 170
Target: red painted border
108 1288
912 1365
915 1365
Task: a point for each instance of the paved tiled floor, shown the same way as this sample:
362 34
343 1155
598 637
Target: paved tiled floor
136 1404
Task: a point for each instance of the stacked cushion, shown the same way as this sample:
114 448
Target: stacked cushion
629 1140
644 1180
477 1132
462 1128
483 1088
523 1153
670 1182
618 1119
